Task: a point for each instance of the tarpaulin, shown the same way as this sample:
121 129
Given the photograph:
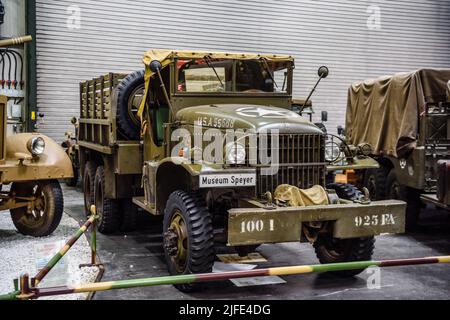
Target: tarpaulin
297 197
385 111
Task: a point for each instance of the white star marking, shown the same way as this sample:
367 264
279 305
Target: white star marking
261 112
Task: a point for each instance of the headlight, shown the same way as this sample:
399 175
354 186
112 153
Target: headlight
36 146
235 153
332 151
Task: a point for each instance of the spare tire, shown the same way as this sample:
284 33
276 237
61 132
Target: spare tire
129 95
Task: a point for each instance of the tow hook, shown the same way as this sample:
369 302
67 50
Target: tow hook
269 205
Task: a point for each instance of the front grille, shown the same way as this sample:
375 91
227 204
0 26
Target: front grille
301 163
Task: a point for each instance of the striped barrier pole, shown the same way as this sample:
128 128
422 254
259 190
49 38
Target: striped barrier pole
10 296
55 259
220 276
94 237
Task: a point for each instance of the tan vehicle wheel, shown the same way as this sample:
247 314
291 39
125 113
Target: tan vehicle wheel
107 209
46 211
88 186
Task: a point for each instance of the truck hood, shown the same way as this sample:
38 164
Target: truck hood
247 116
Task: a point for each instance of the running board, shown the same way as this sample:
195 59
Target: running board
432 198
141 203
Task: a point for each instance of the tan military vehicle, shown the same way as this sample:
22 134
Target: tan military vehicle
31 164
131 155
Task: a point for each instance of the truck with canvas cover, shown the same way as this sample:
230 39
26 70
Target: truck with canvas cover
406 118
208 141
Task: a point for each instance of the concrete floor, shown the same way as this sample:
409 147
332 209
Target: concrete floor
140 254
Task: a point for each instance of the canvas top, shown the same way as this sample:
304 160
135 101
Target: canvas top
385 111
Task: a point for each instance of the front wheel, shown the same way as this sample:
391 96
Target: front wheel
333 250
187 236
45 213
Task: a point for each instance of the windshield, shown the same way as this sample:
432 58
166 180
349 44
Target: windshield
227 75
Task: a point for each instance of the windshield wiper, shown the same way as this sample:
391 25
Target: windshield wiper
266 67
207 60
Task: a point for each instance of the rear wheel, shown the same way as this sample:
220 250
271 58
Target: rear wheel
333 250
107 209
46 211
88 186
188 236
411 196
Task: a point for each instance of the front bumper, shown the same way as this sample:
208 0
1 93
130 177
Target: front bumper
248 226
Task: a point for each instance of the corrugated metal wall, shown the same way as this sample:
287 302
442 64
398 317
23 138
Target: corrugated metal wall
344 35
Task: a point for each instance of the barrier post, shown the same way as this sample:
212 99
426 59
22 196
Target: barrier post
94 236
55 259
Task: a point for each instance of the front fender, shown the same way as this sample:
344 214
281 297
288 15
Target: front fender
175 173
194 169
19 165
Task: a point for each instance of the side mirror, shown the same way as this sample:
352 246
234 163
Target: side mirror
155 65
340 131
323 72
324 116
73 120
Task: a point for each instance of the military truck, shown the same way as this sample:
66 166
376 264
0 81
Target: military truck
131 155
31 164
405 117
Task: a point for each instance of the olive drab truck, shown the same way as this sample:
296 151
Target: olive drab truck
30 164
405 117
144 141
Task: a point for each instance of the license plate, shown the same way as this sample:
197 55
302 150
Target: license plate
227 180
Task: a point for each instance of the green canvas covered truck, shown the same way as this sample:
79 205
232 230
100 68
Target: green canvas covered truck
405 117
